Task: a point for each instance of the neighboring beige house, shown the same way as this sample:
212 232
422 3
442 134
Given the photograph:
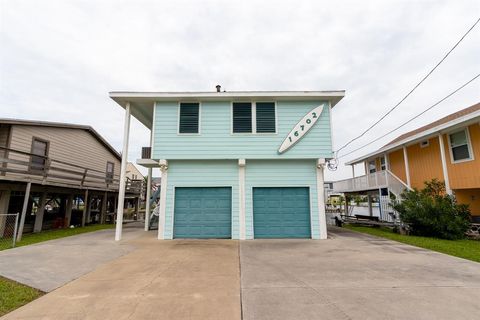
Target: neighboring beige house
56 168
133 173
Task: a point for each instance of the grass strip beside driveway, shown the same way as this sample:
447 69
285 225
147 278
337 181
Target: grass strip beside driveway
466 249
13 295
32 238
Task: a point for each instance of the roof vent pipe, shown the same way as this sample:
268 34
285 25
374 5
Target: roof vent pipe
218 87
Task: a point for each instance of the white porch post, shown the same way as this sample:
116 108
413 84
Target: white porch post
147 201
24 211
163 199
407 169
241 198
149 185
123 167
321 199
444 165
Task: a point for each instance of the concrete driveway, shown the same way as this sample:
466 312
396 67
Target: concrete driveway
349 276
355 276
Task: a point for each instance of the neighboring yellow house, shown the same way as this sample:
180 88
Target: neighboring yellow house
447 149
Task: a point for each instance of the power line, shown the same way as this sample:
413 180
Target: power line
415 117
411 91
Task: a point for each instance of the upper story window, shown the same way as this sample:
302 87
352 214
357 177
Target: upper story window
460 146
250 117
39 152
372 167
189 118
109 172
383 164
242 117
265 112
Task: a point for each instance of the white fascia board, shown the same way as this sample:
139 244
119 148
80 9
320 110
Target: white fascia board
334 96
462 121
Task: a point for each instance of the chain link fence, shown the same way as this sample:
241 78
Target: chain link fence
8 230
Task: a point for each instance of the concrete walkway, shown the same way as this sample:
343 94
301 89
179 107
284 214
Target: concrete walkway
349 276
51 264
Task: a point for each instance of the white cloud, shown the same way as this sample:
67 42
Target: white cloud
59 59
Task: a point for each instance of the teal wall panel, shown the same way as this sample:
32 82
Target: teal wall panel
214 173
284 173
216 141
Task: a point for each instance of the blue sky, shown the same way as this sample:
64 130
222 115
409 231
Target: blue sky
59 59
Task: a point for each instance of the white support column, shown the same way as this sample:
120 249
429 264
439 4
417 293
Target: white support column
241 198
24 211
321 199
149 181
37 227
407 168
147 200
163 199
444 165
353 170
123 169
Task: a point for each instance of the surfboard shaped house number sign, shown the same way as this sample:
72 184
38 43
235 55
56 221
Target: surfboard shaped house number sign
301 128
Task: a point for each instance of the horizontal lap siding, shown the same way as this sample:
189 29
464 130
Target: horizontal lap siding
215 173
465 175
217 142
281 173
75 146
424 163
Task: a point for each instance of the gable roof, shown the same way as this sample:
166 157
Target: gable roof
457 118
450 117
37 123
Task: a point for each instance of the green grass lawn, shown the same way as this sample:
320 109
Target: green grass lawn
54 234
13 295
467 249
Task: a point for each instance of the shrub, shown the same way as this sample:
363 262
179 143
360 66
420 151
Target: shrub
431 212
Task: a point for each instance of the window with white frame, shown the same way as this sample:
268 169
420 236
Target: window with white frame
189 118
460 146
372 167
250 117
383 164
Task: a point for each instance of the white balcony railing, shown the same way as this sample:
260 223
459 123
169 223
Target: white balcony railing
372 181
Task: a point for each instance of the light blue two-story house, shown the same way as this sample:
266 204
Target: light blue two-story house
239 165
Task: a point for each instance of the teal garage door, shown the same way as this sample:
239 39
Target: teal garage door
281 213
203 213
